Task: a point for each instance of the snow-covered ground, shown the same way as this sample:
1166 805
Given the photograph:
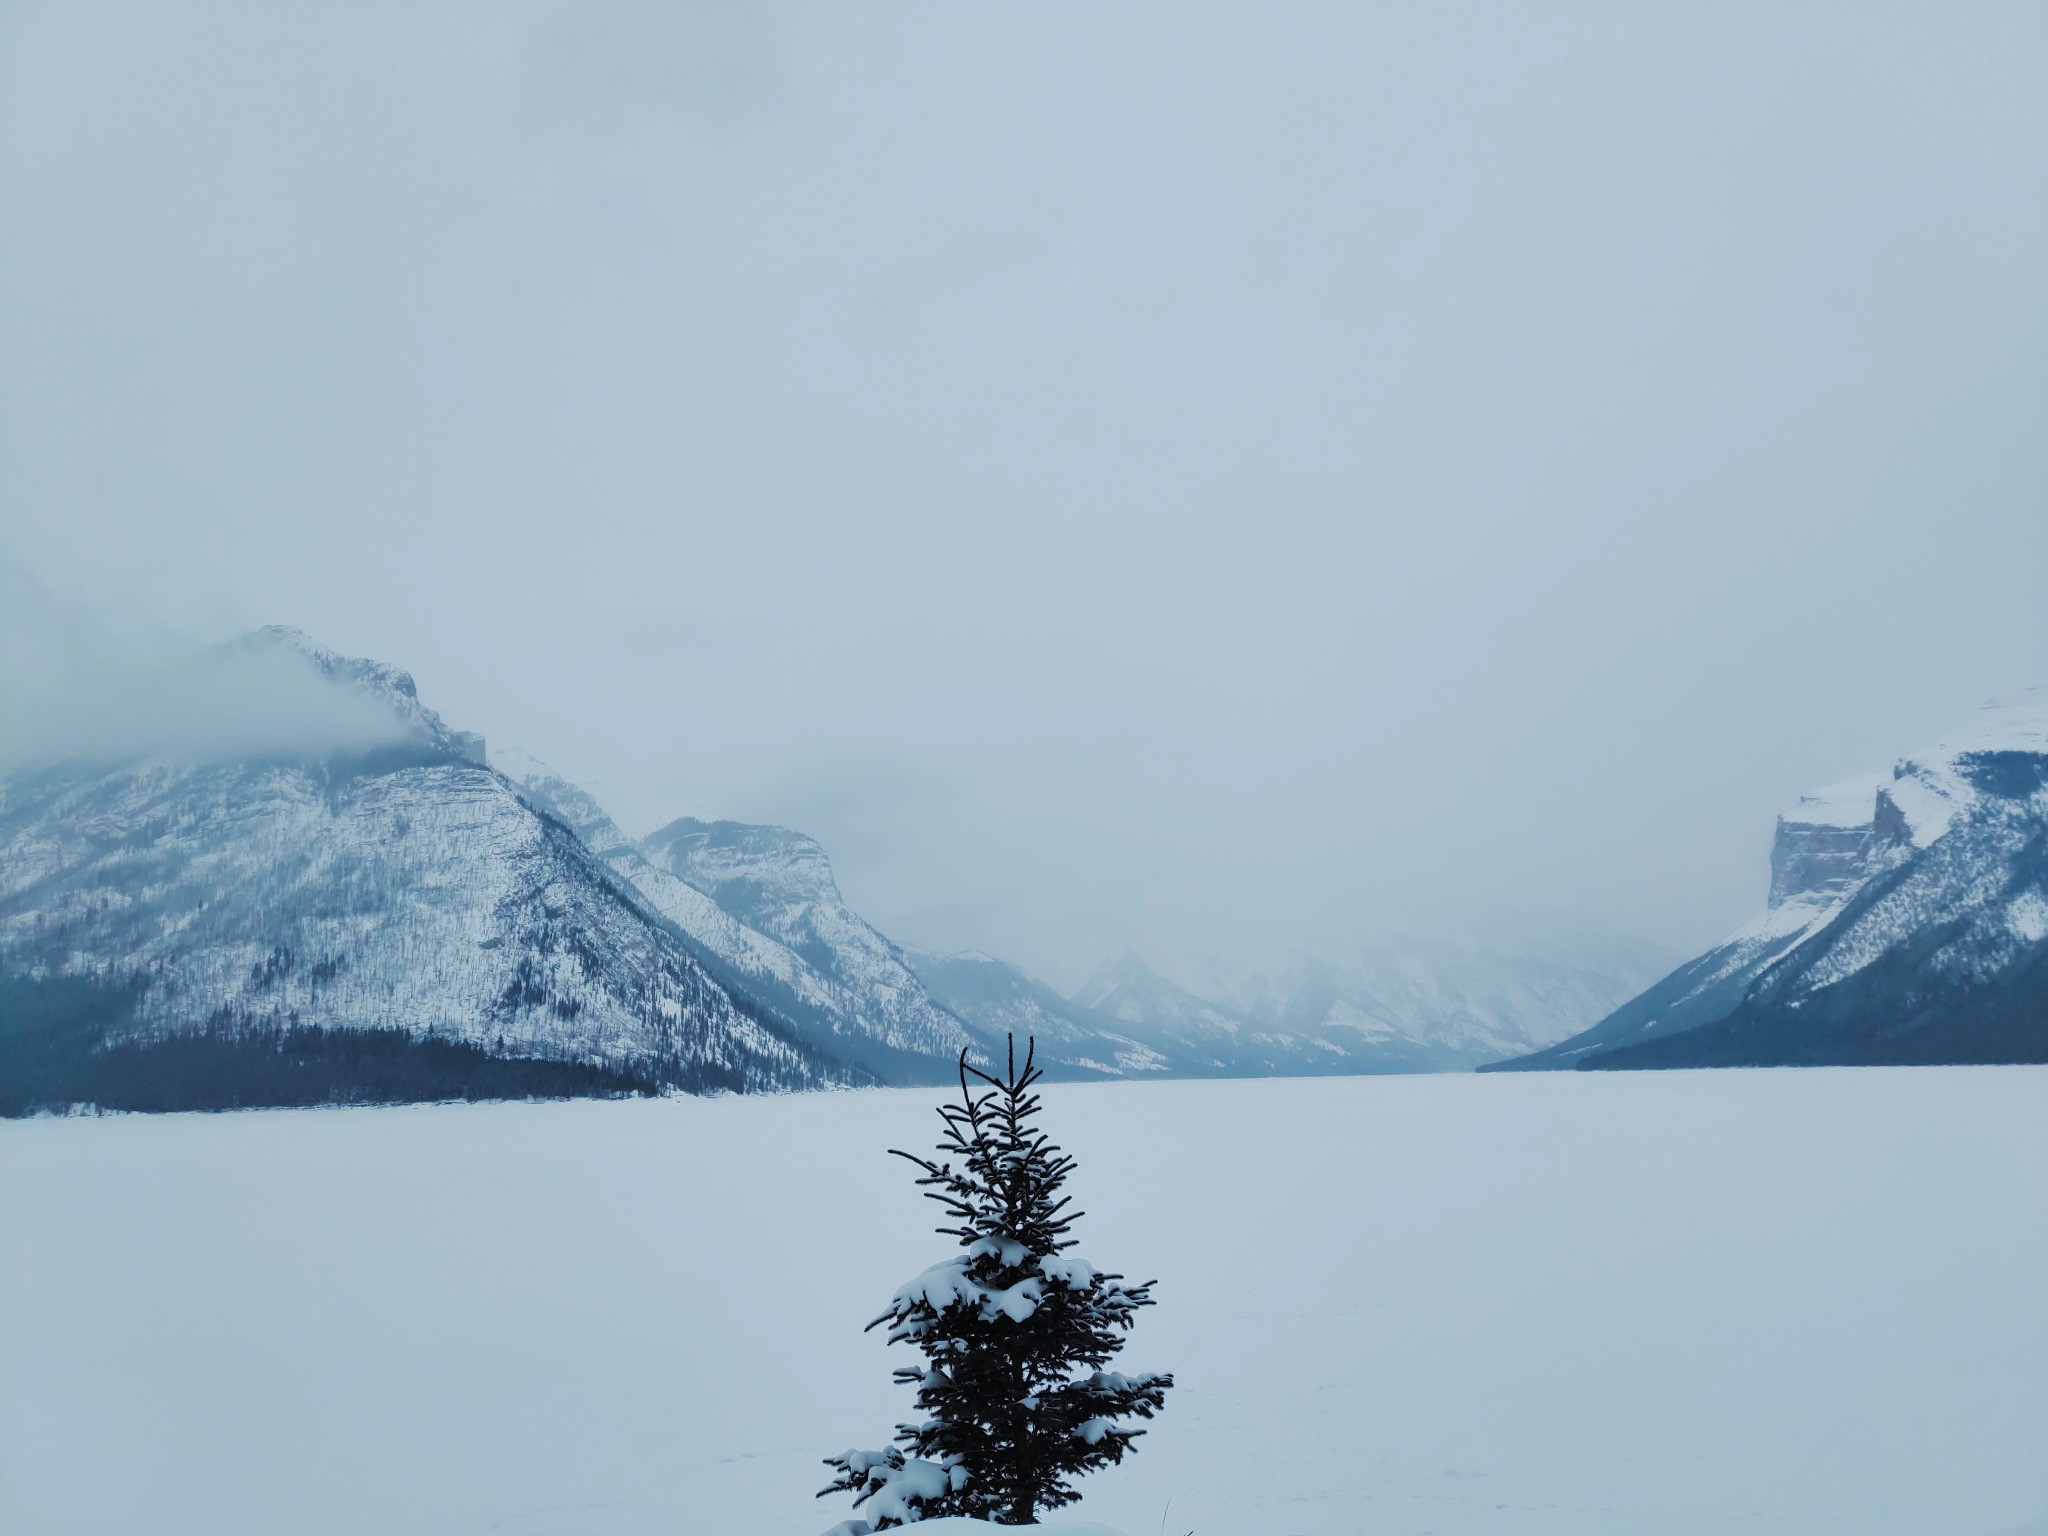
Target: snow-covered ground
1784 1303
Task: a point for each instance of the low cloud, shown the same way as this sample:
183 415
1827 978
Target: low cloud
73 689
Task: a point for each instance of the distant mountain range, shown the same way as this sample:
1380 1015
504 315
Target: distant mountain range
1409 1007
1907 922
350 900
761 908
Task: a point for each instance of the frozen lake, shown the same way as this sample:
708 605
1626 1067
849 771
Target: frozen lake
1783 1303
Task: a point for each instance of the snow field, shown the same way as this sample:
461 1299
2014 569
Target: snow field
1784 1303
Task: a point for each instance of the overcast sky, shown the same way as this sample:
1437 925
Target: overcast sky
1190 476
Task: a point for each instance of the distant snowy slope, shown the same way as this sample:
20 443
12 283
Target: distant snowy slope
300 901
1198 1037
1394 1007
1907 921
779 883
1204 1038
1127 988
1456 1001
999 1001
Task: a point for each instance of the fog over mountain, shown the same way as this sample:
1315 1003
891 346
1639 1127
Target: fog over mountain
73 691
1117 477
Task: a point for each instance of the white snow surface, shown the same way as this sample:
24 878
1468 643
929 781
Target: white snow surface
2026 917
2016 724
1930 788
960 1526
1851 803
1793 1303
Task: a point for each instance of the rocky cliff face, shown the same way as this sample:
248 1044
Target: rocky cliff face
1901 925
1825 845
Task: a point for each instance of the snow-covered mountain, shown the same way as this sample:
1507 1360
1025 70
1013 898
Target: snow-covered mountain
1193 1035
1907 921
293 915
760 908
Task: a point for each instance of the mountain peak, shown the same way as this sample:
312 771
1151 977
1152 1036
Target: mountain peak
360 679
1851 803
779 883
2018 723
724 858
568 802
363 672
1123 974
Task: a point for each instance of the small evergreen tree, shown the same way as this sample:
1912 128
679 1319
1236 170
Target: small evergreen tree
1005 1325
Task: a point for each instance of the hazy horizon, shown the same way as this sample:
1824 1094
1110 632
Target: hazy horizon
1201 481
